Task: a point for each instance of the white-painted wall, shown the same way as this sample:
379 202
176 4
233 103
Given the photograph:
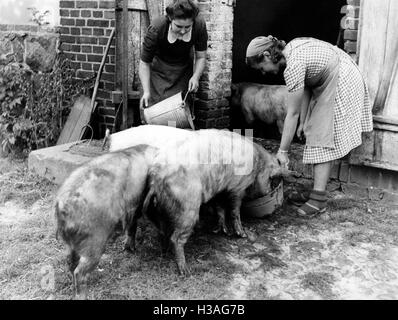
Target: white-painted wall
16 11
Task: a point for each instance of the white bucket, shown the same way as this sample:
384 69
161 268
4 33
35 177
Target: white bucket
171 109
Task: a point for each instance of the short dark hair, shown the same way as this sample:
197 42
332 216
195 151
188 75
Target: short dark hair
182 9
275 51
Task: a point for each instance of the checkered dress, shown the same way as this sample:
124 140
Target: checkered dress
307 57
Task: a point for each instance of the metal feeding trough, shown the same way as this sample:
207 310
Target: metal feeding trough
264 206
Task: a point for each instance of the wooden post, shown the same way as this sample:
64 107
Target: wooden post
125 62
155 8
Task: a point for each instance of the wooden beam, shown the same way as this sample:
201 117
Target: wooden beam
155 9
132 5
125 63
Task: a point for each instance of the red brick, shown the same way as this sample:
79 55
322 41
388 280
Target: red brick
81 57
107 4
98 23
75 48
75 65
108 76
75 31
64 13
86 40
67 22
350 46
94 58
67 39
84 74
65 47
87 66
85 14
64 30
74 13
110 86
67 4
95 66
103 94
350 35
98 14
80 23
87 31
110 68
98 49
354 2
87 4
87 49
98 32
109 15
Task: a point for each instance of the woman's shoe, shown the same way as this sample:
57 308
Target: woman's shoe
298 197
315 205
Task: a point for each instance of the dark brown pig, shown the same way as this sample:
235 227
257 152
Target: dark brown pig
267 103
93 200
212 164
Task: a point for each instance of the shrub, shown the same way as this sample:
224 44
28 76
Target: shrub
33 105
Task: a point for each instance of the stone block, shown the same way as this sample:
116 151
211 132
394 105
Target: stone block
55 163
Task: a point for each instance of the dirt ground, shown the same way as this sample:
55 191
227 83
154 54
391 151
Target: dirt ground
349 252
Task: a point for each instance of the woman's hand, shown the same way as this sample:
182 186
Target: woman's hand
144 102
300 131
193 84
283 159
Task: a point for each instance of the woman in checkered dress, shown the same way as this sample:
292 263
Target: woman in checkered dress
327 93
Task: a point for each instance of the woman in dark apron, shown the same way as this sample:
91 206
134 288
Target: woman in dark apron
336 107
167 55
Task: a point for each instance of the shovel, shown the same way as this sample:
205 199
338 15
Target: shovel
83 108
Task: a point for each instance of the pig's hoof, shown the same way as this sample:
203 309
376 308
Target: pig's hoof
129 247
184 271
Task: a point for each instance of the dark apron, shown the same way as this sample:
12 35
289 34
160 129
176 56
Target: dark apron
319 121
168 79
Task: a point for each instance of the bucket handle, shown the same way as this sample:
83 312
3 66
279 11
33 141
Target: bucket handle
193 105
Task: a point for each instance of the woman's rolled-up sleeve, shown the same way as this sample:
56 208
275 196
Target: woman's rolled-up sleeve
150 44
294 75
202 37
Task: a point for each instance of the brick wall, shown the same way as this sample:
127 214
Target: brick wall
212 108
85 29
350 24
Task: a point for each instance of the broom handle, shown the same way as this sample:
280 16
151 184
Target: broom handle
100 69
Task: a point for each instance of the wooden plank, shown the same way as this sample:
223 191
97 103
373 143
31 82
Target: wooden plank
134 46
77 119
373 42
132 5
155 9
125 62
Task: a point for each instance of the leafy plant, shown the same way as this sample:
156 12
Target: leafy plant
38 17
34 106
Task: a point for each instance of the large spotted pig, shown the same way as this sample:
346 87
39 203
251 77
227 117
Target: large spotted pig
267 103
93 200
211 164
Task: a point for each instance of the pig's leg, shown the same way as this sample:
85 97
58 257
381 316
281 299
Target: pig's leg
221 225
89 259
132 218
236 201
183 229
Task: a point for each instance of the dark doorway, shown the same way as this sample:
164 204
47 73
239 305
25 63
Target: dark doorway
284 19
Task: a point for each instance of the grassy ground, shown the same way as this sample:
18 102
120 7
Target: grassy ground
351 251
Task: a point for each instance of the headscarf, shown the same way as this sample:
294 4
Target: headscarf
258 45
